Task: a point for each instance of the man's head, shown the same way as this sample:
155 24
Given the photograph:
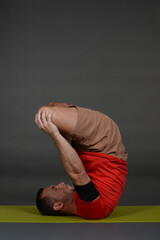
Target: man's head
56 200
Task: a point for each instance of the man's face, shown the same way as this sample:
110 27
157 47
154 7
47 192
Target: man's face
61 192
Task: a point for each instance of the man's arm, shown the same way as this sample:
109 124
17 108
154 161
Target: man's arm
70 159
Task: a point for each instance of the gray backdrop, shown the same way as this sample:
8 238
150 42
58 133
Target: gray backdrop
97 54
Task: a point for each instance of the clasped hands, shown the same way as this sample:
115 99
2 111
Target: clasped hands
43 119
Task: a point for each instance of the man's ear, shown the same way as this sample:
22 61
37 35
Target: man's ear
58 206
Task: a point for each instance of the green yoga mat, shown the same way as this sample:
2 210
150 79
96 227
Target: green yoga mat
29 214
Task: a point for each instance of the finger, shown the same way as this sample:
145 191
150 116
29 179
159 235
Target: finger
40 124
49 118
44 117
39 110
35 118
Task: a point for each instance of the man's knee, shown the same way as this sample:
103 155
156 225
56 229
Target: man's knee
65 118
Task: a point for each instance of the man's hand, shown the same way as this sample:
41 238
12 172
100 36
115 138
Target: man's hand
43 121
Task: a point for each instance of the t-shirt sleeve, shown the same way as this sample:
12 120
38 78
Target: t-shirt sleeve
91 210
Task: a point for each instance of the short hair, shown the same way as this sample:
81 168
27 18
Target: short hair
45 205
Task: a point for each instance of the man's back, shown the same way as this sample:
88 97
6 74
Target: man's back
96 132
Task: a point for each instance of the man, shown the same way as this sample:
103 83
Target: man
93 156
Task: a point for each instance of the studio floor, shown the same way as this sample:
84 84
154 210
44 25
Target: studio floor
132 222
89 231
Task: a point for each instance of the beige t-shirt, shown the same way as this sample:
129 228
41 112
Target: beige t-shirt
96 132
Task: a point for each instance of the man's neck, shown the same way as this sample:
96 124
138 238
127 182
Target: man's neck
70 208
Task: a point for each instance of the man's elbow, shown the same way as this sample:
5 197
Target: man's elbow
80 178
